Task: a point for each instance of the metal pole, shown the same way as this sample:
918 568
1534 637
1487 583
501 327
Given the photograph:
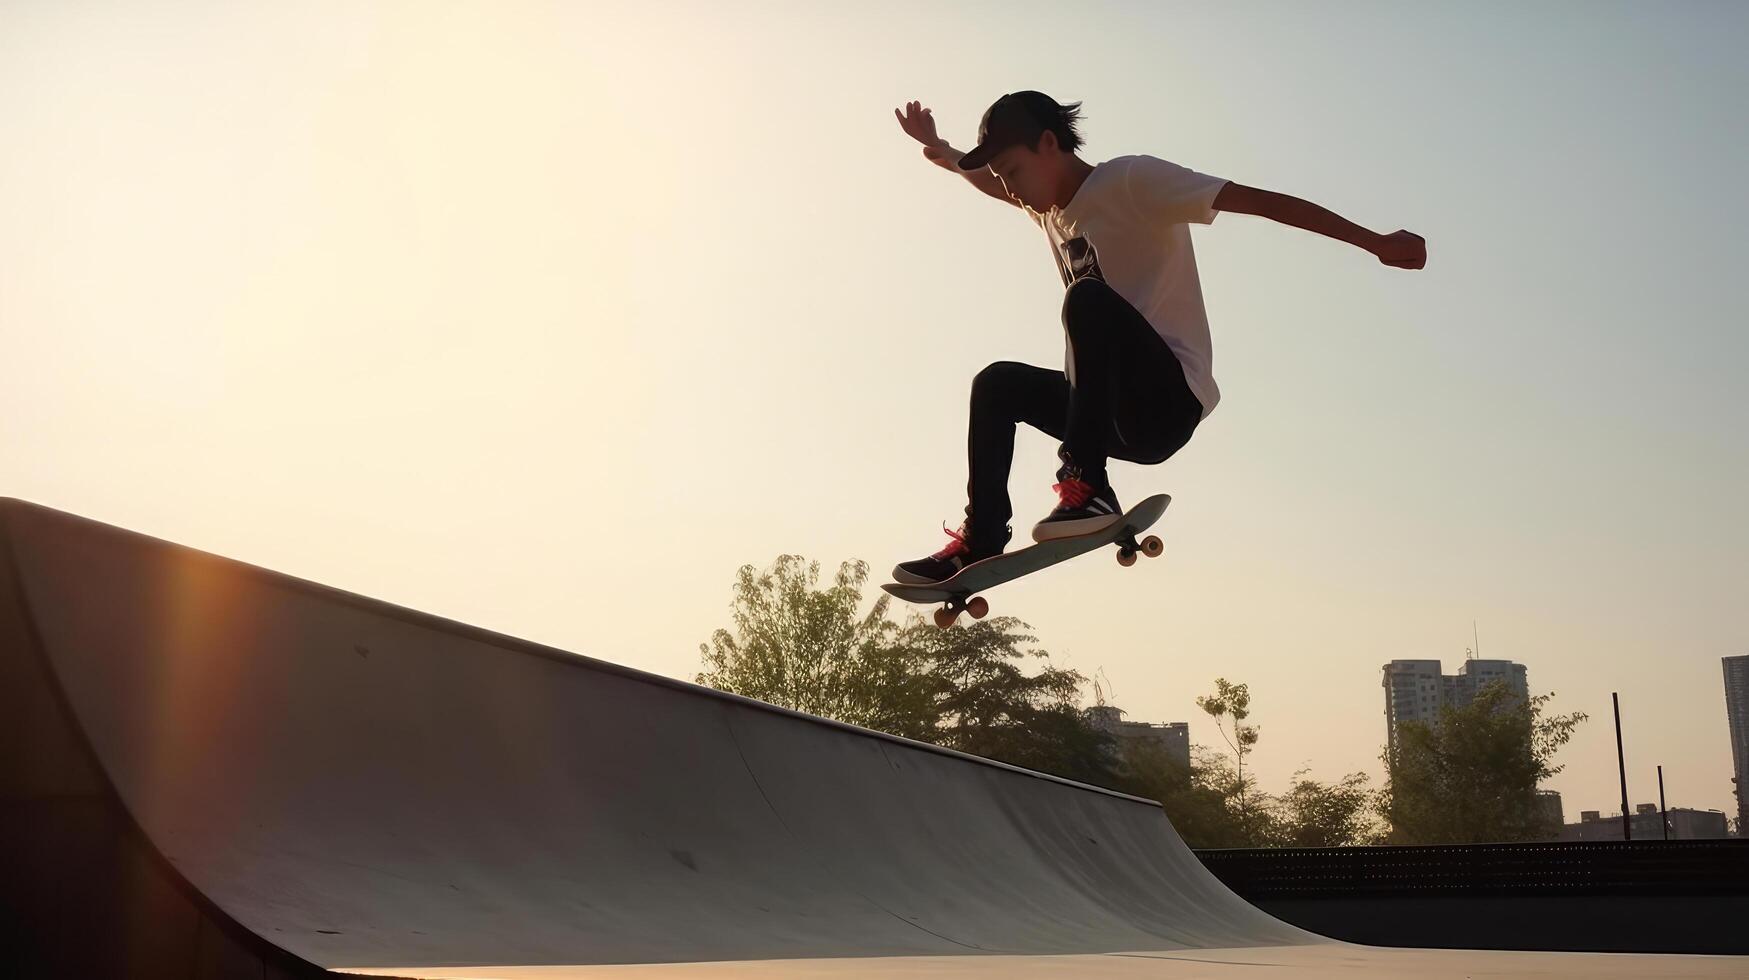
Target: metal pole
1627 832
1663 811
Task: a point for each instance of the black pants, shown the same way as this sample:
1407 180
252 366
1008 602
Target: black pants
1128 401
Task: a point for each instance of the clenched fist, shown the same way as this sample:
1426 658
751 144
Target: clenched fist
1401 249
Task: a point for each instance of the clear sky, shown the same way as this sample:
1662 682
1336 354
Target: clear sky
548 316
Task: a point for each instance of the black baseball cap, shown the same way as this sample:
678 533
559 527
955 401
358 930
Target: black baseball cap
1016 119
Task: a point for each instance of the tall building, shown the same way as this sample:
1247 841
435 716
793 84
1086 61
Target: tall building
1461 688
1737 711
1174 737
1415 690
1549 802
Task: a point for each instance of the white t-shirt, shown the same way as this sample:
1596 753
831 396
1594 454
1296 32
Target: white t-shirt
1128 224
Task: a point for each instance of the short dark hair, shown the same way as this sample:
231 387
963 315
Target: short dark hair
1020 119
1065 122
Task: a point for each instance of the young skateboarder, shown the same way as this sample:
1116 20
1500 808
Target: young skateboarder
1137 372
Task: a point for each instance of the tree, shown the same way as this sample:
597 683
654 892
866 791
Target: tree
1198 799
988 706
1234 701
1472 776
1314 814
806 648
802 647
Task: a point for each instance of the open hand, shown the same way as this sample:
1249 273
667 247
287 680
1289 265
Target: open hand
920 126
1402 249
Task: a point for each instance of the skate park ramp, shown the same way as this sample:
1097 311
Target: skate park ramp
325 781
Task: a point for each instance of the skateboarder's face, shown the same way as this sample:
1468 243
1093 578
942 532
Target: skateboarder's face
1031 176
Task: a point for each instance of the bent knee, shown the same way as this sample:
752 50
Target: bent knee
996 372
996 380
1086 300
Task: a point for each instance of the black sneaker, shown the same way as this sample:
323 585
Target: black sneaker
944 564
1082 508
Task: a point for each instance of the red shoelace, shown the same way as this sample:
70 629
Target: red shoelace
957 546
1072 493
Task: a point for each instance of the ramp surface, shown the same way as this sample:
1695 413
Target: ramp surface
365 787
375 787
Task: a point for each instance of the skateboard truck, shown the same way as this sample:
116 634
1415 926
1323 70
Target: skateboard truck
977 605
1127 548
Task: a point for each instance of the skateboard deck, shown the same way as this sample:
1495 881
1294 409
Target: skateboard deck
959 593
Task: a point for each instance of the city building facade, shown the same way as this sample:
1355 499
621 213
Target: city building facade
1737 712
1643 824
1416 690
1174 737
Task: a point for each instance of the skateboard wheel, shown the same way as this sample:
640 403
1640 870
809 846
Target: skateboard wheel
1152 546
1126 557
978 607
945 617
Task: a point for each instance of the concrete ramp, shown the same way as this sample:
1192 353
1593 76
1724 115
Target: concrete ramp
362 786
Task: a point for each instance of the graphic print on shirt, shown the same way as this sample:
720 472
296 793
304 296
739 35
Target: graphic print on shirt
1076 258
1083 261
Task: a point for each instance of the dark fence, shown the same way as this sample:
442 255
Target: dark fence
1627 896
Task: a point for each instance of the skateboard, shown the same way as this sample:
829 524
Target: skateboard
959 593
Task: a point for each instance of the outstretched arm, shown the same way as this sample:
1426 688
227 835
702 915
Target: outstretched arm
919 124
1402 249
